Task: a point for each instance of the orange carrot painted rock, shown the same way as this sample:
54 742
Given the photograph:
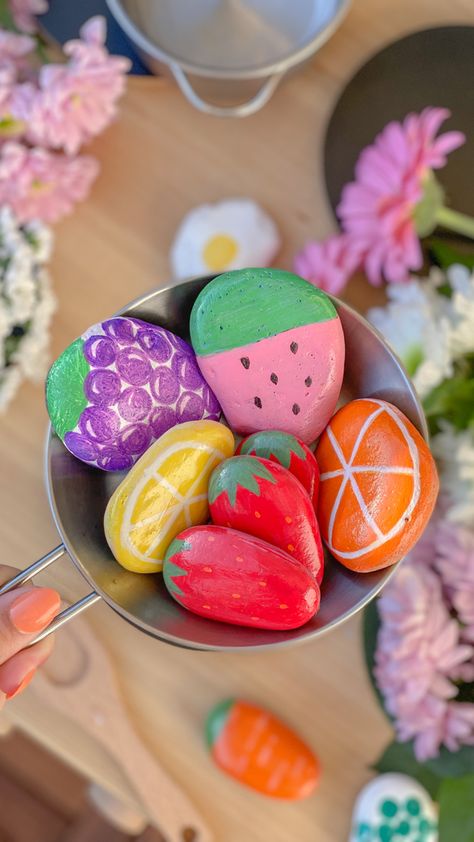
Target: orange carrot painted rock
253 746
378 485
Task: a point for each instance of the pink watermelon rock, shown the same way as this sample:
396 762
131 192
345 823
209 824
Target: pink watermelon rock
271 347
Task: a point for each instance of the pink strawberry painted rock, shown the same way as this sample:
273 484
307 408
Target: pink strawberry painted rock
271 347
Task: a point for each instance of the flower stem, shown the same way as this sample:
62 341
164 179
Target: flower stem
454 221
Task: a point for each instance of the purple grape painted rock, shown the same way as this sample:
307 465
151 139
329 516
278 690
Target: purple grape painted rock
120 386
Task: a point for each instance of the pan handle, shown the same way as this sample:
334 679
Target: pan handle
69 612
244 109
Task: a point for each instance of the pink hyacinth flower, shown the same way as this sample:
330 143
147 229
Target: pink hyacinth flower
24 13
37 184
75 101
14 49
328 265
455 563
377 209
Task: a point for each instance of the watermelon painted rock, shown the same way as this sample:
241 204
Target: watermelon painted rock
119 387
225 575
271 347
251 745
378 485
290 452
262 498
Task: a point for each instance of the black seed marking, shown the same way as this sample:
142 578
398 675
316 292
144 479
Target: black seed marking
308 381
245 362
295 409
294 347
274 378
258 402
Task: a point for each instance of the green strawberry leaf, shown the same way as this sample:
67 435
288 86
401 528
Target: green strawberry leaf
456 814
65 396
238 472
274 443
171 570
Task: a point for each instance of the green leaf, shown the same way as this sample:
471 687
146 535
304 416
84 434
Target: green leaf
445 255
65 396
274 443
400 757
452 400
171 570
370 629
217 720
456 810
426 211
238 472
6 17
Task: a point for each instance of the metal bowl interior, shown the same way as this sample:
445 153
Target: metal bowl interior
79 494
229 38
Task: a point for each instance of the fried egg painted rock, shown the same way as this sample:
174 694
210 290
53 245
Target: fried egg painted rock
120 386
271 347
227 235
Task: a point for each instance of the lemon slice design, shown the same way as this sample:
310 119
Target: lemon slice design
165 492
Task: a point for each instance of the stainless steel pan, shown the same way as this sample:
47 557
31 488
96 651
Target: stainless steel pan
78 495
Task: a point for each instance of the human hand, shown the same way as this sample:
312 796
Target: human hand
24 612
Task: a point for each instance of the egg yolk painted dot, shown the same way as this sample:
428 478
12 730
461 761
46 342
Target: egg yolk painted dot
283 606
207 569
257 514
289 519
291 548
219 251
235 596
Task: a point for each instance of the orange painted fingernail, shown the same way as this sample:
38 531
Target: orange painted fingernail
33 611
21 686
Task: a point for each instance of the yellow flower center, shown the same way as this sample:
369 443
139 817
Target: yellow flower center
10 126
219 251
38 186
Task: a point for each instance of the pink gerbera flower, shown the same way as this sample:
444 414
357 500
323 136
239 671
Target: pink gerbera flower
378 209
37 184
24 13
75 101
330 264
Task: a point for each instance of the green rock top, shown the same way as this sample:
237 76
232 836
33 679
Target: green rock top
247 305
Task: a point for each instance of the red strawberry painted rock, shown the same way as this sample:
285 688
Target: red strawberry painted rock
225 575
290 452
271 347
262 498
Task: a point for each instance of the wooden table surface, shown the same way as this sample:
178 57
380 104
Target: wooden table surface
158 160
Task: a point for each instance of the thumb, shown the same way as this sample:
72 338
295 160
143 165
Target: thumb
25 612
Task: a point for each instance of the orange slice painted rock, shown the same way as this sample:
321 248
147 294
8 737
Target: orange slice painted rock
260 751
378 485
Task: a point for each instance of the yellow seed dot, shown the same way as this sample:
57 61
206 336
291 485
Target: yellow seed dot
211 538
238 558
208 607
289 519
263 584
207 569
255 619
235 596
291 548
257 514
283 606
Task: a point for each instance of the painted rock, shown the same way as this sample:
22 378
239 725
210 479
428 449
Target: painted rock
225 575
290 452
262 498
164 492
378 485
271 347
253 746
119 387
394 807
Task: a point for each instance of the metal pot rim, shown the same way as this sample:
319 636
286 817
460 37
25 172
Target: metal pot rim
283 64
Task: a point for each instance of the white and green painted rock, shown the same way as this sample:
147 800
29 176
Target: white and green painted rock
271 347
394 808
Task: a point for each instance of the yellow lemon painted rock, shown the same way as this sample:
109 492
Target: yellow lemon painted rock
164 492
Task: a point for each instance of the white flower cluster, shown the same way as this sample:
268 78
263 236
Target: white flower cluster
26 303
429 332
